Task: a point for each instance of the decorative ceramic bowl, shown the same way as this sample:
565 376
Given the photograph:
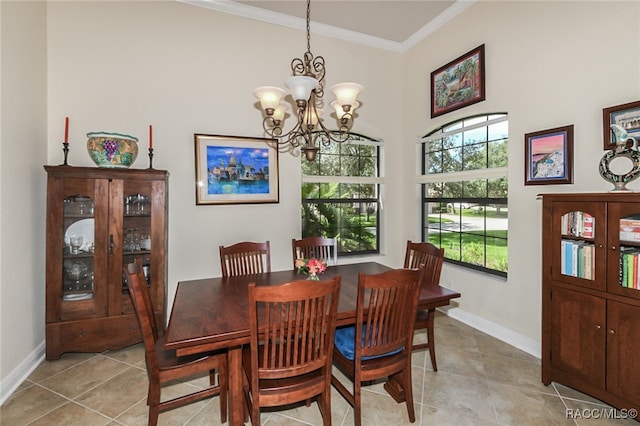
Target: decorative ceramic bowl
112 150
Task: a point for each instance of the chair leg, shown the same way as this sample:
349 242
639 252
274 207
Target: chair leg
357 404
255 414
247 405
408 391
430 338
153 401
324 402
153 415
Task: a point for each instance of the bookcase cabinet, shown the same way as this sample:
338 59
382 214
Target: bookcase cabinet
97 221
591 295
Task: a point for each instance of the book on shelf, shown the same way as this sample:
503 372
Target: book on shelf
577 259
578 224
588 226
630 229
630 267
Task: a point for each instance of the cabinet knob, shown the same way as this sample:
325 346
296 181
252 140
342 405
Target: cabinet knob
598 327
611 331
613 247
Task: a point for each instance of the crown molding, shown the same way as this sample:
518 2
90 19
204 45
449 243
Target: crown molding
282 19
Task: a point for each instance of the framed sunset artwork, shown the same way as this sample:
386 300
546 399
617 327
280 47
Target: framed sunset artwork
549 156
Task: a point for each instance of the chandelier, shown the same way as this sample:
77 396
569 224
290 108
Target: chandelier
306 87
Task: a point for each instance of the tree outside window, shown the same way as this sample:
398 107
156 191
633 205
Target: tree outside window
464 189
340 195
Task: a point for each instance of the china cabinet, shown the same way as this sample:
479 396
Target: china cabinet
99 219
591 295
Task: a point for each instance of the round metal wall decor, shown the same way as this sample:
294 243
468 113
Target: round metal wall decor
621 151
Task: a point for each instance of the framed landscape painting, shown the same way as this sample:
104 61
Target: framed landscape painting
549 156
235 170
459 83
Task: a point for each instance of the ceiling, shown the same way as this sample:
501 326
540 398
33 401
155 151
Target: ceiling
389 24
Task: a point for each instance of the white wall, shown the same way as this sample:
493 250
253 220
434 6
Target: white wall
189 70
22 185
548 64
120 66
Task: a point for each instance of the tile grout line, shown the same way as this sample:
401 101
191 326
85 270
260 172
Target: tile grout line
66 402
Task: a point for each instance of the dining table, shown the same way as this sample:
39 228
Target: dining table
213 314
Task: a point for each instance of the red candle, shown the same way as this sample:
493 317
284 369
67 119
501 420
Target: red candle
66 130
150 136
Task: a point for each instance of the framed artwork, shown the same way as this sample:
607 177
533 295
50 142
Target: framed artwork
459 83
626 116
235 170
548 156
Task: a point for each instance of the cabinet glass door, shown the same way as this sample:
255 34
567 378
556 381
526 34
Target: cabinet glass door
579 235
78 248
137 241
624 245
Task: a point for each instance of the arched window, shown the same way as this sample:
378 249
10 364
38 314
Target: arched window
464 191
341 194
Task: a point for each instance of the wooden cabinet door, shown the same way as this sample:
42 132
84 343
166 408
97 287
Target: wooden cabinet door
76 279
623 246
623 336
569 221
137 230
578 335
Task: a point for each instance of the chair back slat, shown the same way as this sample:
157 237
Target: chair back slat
387 316
325 249
428 255
292 327
245 258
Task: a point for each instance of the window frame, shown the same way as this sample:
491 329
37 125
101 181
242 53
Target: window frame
377 180
462 176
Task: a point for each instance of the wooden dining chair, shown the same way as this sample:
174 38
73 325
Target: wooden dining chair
379 345
325 249
289 357
164 366
432 258
245 258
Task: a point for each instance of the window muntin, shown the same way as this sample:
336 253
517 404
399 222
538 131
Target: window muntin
464 187
341 195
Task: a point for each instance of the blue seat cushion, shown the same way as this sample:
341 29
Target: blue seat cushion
345 340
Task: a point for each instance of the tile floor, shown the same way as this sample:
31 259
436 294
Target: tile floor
480 381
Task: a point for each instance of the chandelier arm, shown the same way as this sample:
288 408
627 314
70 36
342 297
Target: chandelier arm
329 135
275 132
308 111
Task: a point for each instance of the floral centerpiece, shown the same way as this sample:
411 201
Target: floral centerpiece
311 267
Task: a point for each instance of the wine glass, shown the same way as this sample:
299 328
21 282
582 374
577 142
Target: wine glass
76 242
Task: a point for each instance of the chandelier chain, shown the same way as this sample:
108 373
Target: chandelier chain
309 26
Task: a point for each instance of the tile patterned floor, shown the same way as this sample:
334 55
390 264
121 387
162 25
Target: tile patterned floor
480 382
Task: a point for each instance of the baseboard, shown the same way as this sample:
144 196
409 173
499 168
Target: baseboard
499 332
20 374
